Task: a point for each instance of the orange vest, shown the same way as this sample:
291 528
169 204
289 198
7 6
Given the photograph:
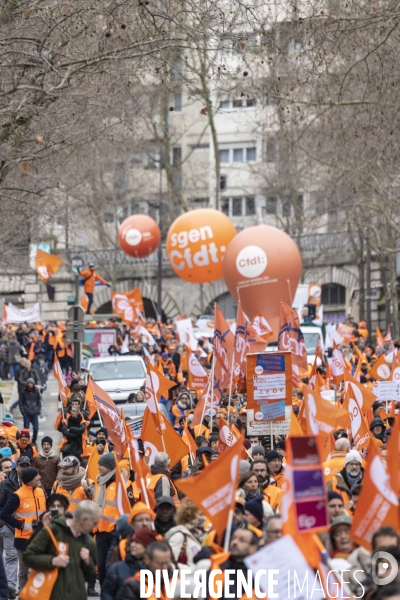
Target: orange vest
122 548
18 452
334 465
216 561
32 503
151 482
110 514
77 495
201 430
11 432
273 495
279 479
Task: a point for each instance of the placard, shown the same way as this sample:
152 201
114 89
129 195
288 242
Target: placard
269 385
262 428
387 390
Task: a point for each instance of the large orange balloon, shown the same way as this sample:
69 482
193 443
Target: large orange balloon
139 236
262 267
196 243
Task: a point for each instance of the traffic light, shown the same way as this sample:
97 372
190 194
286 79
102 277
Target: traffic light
222 182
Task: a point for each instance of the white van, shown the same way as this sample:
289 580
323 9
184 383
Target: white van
119 376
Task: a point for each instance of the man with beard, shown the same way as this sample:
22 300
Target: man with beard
72 482
272 494
348 478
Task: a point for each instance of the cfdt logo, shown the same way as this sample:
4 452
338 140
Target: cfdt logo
251 261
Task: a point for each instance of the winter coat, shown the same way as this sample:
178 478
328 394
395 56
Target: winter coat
8 486
71 579
181 540
14 349
30 403
42 370
117 575
4 353
25 375
48 469
73 432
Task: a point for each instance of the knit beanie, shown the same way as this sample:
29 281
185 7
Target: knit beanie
107 460
122 527
25 433
140 508
244 467
47 439
29 474
5 452
255 507
334 496
272 455
144 536
8 418
257 449
352 455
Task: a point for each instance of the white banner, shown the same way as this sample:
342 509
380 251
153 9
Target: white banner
12 314
184 329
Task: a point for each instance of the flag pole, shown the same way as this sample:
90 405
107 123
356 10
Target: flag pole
228 531
212 391
290 291
158 409
205 402
230 385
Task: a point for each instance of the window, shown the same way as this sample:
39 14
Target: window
238 155
333 294
238 103
250 206
321 205
224 156
239 206
200 147
286 205
236 207
251 154
272 205
176 156
178 102
270 96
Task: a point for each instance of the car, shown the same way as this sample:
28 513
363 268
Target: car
312 336
119 376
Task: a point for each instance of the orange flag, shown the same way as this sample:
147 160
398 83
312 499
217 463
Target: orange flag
338 365
128 305
92 468
291 338
46 264
31 353
226 437
197 377
321 415
123 504
161 439
365 398
378 504
379 338
261 326
395 374
224 347
111 417
62 386
189 441
156 386
380 370
295 427
359 427
89 401
246 340
213 491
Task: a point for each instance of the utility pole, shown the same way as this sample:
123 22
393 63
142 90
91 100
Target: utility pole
159 251
368 286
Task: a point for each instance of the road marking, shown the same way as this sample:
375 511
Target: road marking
53 393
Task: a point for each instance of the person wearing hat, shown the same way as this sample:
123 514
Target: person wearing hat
24 506
24 446
73 429
159 482
119 572
377 428
335 505
181 408
46 462
30 405
89 280
10 428
165 515
257 451
254 512
71 481
105 496
275 467
339 535
348 478
8 486
141 516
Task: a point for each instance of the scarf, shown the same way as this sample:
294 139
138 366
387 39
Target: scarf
196 528
48 454
102 480
70 482
251 495
353 481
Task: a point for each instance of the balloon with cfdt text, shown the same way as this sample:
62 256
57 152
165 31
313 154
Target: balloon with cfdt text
262 266
196 244
139 236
